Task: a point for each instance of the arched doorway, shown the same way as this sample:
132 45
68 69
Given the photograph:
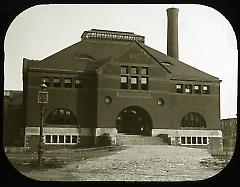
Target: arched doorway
134 120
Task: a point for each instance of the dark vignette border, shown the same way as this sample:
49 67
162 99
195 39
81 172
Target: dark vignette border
9 10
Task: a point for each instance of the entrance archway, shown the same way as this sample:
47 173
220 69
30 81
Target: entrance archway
134 120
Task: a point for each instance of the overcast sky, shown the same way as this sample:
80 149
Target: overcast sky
206 38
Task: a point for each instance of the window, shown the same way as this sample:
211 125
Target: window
54 139
194 140
68 83
197 89
124 82
124 70
78 83
183 140
199 140
134 70
188 140
204 140
144 83
188 89
74 139
179 88
46 80
61 116
68 139
134 83
206 89
193 119
57 82
144 71
48 139
61 139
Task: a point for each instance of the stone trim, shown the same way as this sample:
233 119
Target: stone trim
111 131
179 133
29 131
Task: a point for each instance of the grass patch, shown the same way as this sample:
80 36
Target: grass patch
57 158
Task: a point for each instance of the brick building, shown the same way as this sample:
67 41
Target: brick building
111 83
229 133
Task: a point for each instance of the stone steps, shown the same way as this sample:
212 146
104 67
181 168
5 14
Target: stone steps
123 139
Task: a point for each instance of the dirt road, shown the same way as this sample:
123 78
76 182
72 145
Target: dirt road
137 163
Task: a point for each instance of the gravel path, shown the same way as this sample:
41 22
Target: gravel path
145 163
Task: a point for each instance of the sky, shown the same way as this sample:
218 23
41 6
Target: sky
206 38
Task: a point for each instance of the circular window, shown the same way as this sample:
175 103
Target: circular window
160 102
108 100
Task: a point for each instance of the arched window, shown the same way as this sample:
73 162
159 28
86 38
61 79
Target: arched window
61 116
193 119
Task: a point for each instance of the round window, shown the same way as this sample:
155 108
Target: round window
160 102
108 100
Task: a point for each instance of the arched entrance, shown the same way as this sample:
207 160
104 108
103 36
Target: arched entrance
134 120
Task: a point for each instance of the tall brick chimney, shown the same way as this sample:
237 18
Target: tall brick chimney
172 32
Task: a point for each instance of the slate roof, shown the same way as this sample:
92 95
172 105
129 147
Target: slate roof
90 54
178 69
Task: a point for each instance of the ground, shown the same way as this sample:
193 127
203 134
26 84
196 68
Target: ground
123 163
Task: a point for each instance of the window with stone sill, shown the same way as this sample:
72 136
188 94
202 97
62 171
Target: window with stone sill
197 89
124 69
134 83
68 82
144 83
61 139
188 88
205 89
144 70
134 70
179 88
57 82
124 82
78 83
194 140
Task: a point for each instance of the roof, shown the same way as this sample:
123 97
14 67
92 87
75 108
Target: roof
178 69
91 53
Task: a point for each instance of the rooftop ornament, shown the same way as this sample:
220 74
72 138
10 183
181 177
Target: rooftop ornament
112 35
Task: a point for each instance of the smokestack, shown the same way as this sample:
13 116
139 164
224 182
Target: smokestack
172 32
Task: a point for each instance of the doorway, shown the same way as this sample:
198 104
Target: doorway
134 121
